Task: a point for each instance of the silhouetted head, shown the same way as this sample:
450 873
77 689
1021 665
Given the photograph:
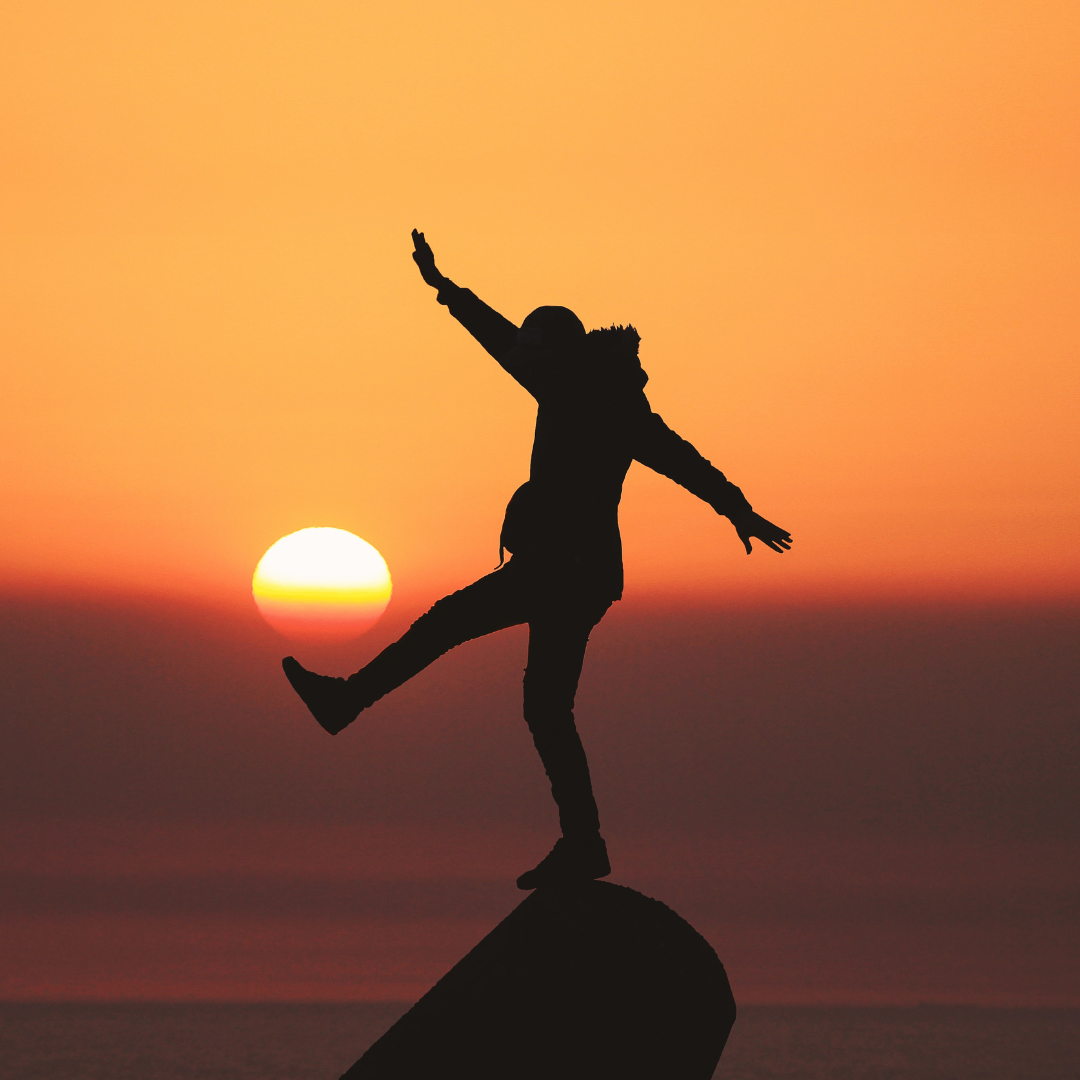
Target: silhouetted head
608 359
552 328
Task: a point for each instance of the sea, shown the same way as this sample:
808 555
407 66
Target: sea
320 1041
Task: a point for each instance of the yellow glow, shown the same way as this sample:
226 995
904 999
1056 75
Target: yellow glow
321 584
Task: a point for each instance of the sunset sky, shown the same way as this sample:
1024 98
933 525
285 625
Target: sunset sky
849 235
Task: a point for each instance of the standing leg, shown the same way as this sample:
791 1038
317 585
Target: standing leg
556 655
492 603
557 642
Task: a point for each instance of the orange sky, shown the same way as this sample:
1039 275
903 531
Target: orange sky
846 232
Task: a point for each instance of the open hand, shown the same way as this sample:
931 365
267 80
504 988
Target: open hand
754 525
424 257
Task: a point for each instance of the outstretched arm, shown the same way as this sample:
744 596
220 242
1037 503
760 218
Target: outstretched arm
497 334
668 454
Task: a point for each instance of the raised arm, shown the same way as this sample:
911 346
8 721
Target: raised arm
498 335
671 456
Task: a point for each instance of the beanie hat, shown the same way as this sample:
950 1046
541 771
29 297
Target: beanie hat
552 327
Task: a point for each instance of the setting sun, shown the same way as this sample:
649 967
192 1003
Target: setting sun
321 585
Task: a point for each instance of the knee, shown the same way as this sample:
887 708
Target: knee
549 692
548 712
439 614
434 629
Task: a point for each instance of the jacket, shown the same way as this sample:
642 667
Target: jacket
593 419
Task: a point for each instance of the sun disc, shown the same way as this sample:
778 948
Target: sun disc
321 585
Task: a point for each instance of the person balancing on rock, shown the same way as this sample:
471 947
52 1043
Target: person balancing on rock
562 530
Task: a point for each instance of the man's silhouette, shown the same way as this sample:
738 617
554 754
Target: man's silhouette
562 529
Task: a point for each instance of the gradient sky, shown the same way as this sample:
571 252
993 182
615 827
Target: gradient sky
848 234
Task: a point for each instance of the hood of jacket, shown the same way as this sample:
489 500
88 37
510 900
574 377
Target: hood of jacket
614 352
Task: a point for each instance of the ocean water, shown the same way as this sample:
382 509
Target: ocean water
318 1042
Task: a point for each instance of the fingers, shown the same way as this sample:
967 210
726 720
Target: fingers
776 540
772 536
777 543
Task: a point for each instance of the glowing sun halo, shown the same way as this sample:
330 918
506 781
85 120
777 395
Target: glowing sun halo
321 585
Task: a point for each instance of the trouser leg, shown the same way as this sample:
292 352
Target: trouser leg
492 603
556 653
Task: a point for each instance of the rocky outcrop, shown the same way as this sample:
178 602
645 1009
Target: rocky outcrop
589 981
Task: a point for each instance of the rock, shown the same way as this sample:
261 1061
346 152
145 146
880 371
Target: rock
588 981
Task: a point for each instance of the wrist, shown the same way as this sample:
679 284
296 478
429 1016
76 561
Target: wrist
739 513
733 504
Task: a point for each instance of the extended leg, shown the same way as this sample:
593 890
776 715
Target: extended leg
492 603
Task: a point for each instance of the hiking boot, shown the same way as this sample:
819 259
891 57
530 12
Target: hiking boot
577 858
335 703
